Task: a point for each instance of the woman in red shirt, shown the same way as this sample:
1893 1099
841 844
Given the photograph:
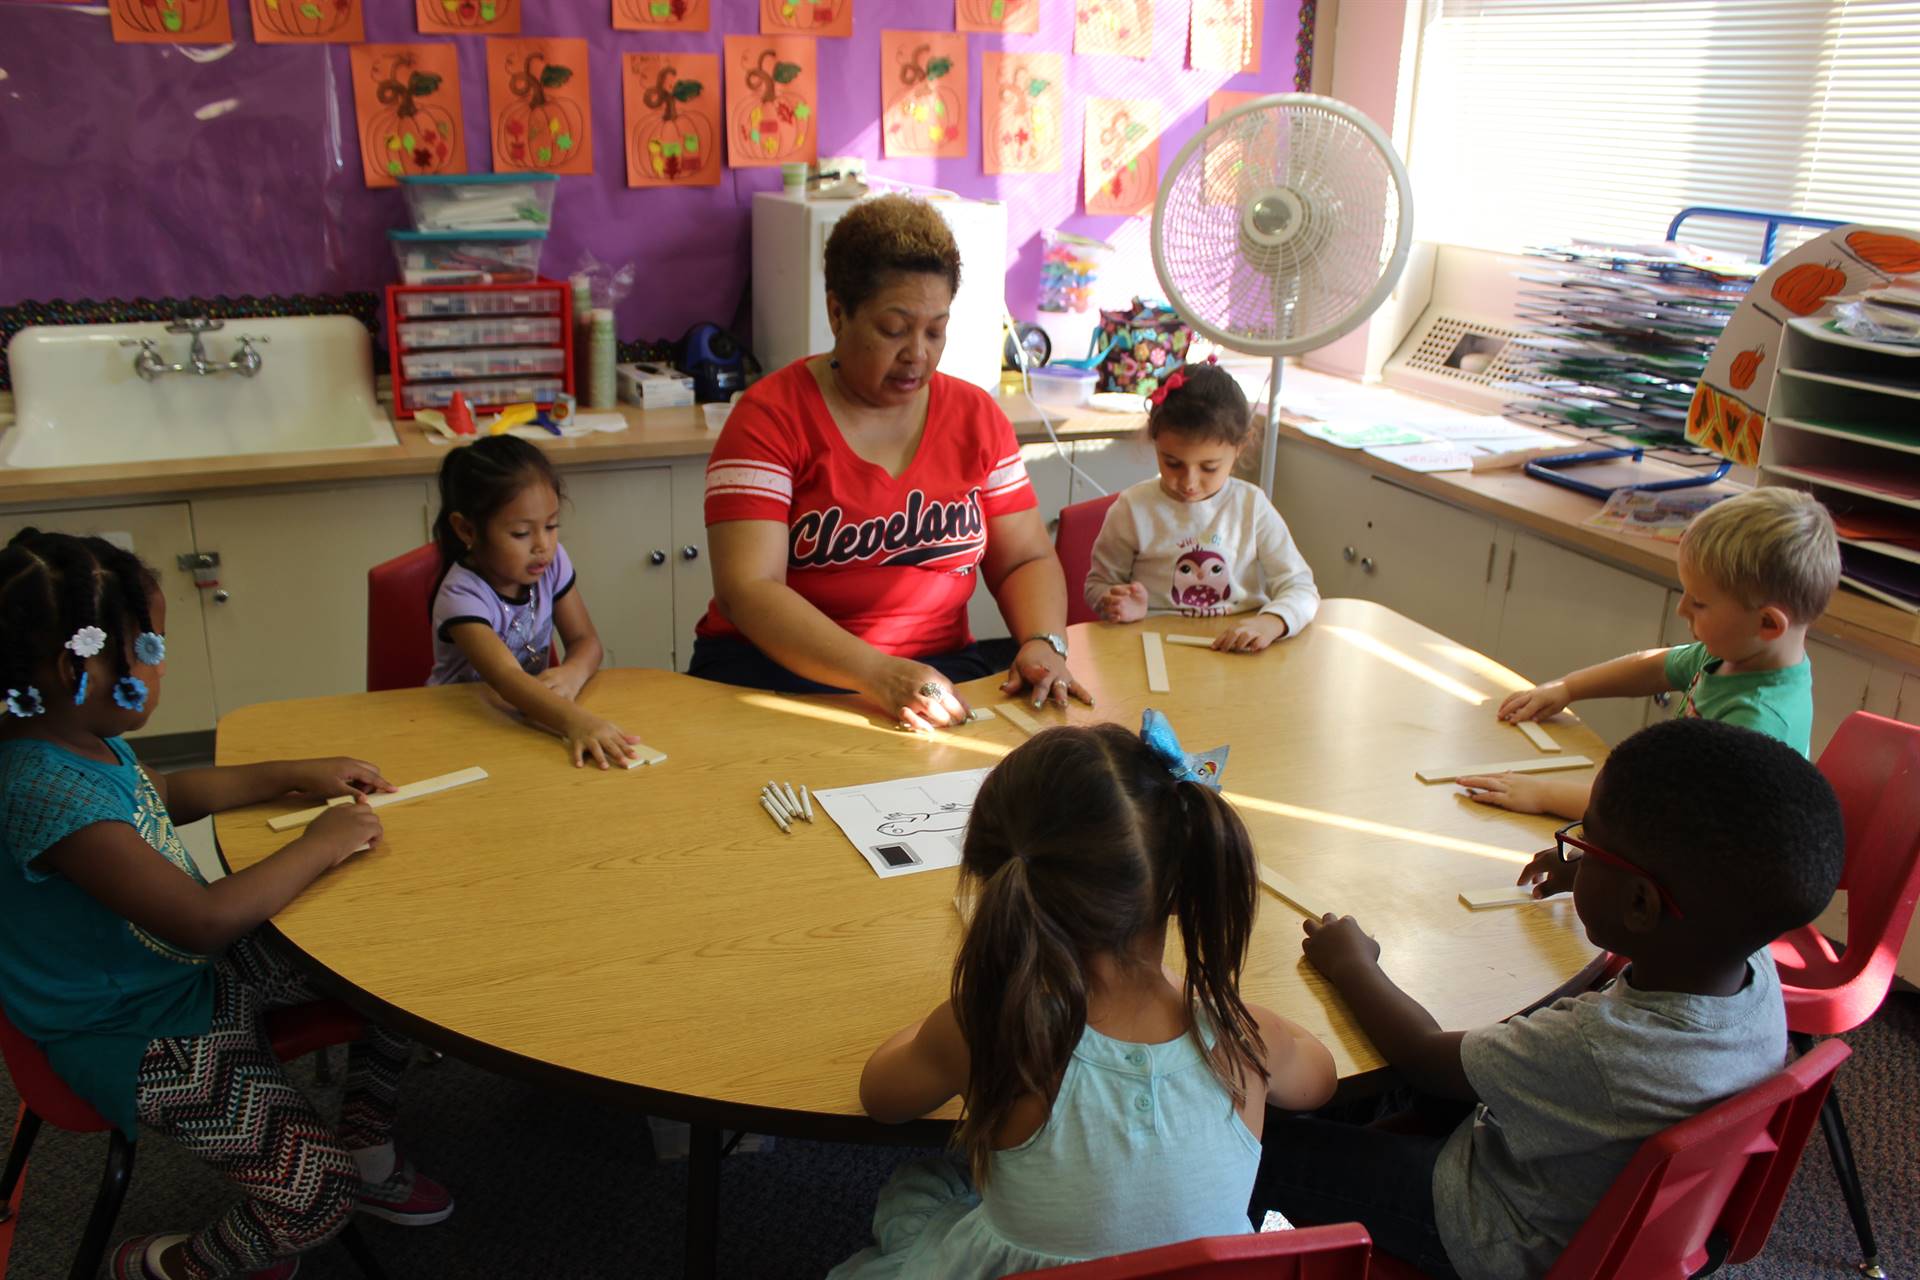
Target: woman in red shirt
853 497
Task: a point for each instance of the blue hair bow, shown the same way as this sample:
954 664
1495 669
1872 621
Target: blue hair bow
1203 767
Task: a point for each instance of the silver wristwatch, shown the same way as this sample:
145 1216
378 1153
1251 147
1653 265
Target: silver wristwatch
1059 643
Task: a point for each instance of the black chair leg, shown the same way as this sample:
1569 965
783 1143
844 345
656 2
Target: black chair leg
323 1065
1840 1147
106 1208
356 1246
23 1135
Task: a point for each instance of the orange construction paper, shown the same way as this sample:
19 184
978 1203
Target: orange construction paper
772 100
1122 155
172 22
468 17
1020 97
1224 35
1124 27
673 119
923 93
406 108
660 15
538 105
1008 17
806 17
308 22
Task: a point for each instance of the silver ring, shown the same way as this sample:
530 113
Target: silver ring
931 690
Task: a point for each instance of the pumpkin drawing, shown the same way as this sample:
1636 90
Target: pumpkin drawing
774 125
1025 128
928 114
803 15
1123 181
408 135
468 13
1806 288
659 13
538 131
168 17
677 144
1745 366
302 19
1895 255
1115 25
992 13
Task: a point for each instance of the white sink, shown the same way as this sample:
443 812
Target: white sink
78 401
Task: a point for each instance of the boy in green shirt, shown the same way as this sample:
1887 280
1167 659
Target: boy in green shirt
1755 571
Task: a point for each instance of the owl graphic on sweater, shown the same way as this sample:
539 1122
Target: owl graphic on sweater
1202 578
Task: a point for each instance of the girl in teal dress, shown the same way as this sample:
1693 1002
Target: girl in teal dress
1110 1105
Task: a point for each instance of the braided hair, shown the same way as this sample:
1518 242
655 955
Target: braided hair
53 584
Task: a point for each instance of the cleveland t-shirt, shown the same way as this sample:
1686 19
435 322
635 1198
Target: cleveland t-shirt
892 560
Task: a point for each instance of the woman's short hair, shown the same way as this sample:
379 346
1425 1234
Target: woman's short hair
888 234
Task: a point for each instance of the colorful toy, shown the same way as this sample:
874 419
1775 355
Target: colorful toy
459 416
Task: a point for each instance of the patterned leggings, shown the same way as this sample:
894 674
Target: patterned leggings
226 1098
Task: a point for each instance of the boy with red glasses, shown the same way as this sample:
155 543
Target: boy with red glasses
1689 883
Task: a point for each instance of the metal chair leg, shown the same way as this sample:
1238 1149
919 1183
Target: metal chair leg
106 1208
323 1065
23 1135
1840 1147
356 1246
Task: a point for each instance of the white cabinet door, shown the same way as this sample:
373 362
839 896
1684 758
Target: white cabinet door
618 531
691 569
1564 611
158 535
1052 482
1320 498
1426 560
293 565
1909 705
1110 464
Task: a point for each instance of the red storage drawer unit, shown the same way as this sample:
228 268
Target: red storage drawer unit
498 344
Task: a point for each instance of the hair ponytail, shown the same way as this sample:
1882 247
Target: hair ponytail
1215 893
1205 402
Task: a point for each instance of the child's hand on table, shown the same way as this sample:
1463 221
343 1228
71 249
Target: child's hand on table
588 735
1547 873
1335 944
1536 703
1123 602
344 830
1252 635
335 776
1518 792
563 683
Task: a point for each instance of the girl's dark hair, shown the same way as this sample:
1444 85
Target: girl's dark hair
884 235
52 584
1207 405
478 479
1079 841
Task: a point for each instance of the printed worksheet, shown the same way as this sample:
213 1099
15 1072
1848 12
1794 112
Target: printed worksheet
908 824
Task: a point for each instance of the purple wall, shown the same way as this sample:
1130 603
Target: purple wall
155 171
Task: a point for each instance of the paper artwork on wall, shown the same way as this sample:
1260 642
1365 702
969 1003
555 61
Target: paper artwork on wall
660 15
406 105
923 93
1223 152
172 22
1224 35
772 90
308 22
468 17
539 103
672 119
806 17
1007 17
1124 27
1020 100
1122 168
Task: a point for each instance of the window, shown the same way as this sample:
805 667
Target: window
1536 121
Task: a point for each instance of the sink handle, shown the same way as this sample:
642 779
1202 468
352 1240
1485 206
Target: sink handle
194 324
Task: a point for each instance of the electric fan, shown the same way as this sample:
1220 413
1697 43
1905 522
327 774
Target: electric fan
1280 227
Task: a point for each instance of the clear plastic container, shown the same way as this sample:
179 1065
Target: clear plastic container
488 362
438 395
1061 386
480 201
488 303
468 257
501 331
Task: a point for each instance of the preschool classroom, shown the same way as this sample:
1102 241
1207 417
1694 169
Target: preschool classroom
959 638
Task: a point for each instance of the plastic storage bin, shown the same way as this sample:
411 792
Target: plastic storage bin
1062 387
467 257
501 331
437 395
469 303
480 201
488 362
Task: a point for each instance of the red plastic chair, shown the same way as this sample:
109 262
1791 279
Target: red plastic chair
1700 1193
1873 765
294 1031
400 620
1073 540
1337 1252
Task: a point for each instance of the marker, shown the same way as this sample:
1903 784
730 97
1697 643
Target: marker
807 801
774 813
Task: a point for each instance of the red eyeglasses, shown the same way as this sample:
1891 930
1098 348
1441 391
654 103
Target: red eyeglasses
1572 848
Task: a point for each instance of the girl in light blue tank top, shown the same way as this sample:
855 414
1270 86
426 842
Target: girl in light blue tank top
1109 1106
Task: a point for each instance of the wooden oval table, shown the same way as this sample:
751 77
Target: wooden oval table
650 936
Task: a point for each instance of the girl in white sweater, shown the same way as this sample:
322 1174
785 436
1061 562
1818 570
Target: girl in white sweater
1194 540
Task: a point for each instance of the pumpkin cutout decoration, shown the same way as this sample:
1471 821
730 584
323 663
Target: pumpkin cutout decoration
1122 156
924 74
456 16
299 21
1014 17
806 17
542 130
771 123
674 145
660 15
1020 112
1806 288
1746 366
1895 255
169 21
408 134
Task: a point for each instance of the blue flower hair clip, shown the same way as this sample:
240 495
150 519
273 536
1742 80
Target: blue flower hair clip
130 692
25 703
1203 767
150 647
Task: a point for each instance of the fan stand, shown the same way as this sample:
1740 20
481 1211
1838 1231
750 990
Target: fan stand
1270 442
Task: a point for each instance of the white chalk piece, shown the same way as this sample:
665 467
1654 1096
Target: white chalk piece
380 800
1509 896
793 801
806 802
1503 766
1017 716
1287 891
1539 737
1192 642
643 754
772 798
1156 654
774 813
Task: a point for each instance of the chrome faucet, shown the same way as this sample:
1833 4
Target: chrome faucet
150 364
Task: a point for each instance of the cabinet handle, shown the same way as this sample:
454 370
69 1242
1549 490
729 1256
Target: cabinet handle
689 552
1348 553
1366 563
222 596
1511 557
1663 700
657 557
1493 549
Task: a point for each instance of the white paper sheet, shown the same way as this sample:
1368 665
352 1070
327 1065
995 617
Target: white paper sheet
1442 456
907 824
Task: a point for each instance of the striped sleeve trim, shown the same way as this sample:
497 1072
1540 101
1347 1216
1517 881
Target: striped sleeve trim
1007 476
749 477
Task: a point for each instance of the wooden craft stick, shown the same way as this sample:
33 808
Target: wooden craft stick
977 714
1194 642
1287 891
1156 662
1017 716
1512 895
643 754
1503 766
411 791
1539 737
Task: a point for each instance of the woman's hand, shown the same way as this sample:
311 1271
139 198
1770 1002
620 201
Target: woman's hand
1039 666
588 735
1123 602
1252 635
916 695
335 776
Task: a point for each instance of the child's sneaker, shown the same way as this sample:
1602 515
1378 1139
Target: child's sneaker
409 1198
129 1261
